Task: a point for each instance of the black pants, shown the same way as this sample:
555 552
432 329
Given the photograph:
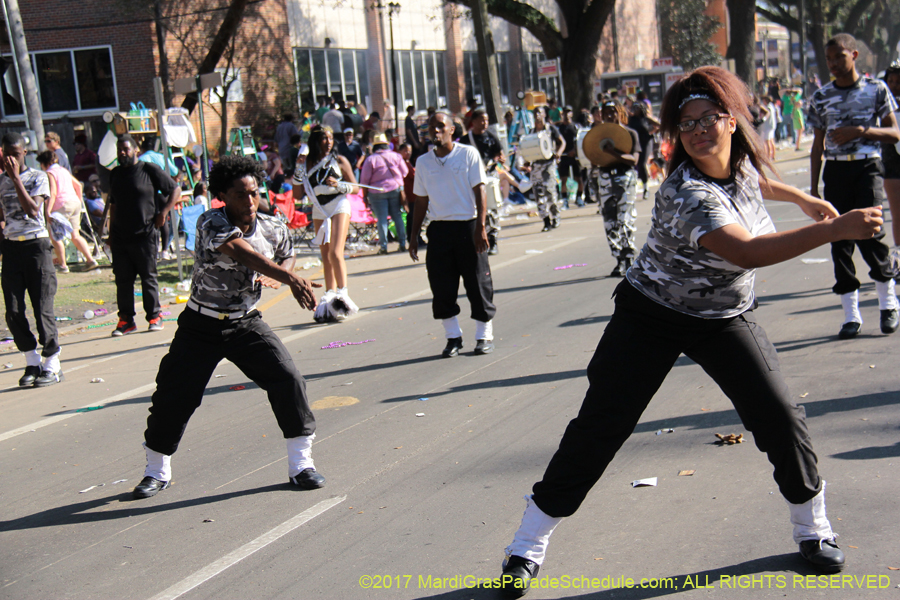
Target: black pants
28 267
849 185
199 345
637 350
451 255
129 261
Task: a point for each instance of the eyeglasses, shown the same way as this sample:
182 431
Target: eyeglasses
705 122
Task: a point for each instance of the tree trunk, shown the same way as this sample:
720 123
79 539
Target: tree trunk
742 48
817 38
223 119
163 53
217 48
31 106
578 75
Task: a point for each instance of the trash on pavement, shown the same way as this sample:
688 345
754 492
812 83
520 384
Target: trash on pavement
98 302
97 380
87 489
730 439
420 414
534 252
649 482
662 431
423 399
63 318
88 314
340 344
238 388
119 481
8 366
813 261
569 267
88 409
217 376
686 473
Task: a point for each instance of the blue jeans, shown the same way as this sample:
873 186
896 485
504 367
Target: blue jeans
382 205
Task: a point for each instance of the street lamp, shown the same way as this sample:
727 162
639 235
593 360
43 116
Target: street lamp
393 8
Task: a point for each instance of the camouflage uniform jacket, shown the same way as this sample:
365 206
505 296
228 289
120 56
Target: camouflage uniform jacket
219 282
674 269
864 104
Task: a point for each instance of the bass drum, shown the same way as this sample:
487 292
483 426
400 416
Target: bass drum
493 194
536 146
579 145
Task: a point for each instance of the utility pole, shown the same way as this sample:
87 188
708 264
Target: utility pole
802 18
34 120
487 61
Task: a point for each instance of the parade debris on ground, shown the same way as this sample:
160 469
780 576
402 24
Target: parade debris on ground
730 439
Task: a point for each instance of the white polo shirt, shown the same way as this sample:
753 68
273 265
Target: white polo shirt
448 183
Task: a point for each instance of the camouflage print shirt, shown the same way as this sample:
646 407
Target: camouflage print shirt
221 283
18 223
864 103
674 269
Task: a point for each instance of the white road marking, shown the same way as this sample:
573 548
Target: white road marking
213 569
71 413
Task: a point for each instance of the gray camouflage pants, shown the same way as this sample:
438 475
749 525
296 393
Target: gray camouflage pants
616 194
543 179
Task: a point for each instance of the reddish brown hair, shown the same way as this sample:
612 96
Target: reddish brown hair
733 96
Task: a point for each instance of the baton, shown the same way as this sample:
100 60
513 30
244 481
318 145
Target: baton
368 187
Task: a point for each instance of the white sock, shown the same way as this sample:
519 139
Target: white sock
809 520
32 358
887 297
342 291
533 535
484 330
51 363
850 302
451 328
159 466
300 454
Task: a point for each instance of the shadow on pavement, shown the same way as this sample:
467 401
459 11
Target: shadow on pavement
73 514
498 383
870 453
779 570
818 408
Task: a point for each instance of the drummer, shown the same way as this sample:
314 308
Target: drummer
614 186
544 174
489 147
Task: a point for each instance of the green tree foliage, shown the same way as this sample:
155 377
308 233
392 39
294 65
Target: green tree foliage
685 32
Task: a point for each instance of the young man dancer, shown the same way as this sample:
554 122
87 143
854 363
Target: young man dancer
851 117
449 186
237 252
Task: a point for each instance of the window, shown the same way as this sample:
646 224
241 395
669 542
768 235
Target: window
473 75
68 81
416 80
550 85
341 74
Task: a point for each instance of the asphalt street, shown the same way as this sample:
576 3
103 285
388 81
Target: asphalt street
428 459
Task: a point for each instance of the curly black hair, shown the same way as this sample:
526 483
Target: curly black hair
231 168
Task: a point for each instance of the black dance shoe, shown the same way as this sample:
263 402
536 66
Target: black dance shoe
849 330
48 378
517 573
454 345
308 479
31 373
484 346
548 224
890 320
149 487
823 555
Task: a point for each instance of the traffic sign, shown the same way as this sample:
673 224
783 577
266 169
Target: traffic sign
547 68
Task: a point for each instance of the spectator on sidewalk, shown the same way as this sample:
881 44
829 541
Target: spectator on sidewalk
52 141
283 134
386 169
27 264
84 163
134 223
65 200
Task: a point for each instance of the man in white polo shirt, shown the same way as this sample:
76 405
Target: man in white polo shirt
449 186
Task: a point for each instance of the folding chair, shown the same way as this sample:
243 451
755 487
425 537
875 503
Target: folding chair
362 222
297 221
189 216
